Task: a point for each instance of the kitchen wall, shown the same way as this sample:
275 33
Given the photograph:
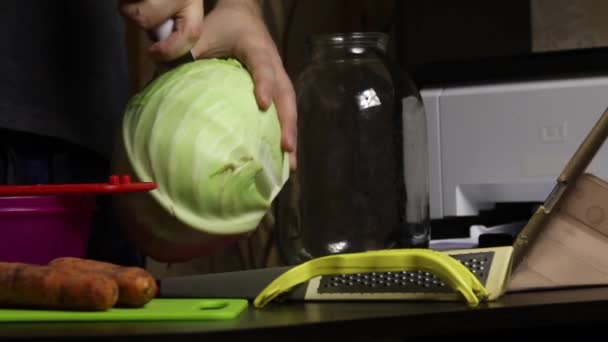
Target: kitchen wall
568 24
435 31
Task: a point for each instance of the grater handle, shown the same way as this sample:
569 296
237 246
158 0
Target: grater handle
586 151
573 169
116 184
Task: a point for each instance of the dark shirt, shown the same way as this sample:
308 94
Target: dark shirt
63 69
63 89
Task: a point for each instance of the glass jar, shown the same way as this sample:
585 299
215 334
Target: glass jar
362 177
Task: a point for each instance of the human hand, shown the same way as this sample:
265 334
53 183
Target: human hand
235 28
149 14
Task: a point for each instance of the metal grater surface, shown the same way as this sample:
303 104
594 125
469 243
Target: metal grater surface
404 281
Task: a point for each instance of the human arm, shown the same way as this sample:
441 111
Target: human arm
233 28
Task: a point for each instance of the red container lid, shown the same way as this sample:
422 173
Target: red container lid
116 184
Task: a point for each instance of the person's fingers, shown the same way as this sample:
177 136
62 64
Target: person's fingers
148 14
285 101
259 63
271 84
151 14
185 34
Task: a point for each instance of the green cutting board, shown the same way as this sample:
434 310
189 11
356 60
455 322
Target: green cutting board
159 309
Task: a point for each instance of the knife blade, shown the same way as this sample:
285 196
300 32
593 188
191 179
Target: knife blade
162 32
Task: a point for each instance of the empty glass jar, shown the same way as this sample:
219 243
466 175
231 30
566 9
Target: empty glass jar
362 177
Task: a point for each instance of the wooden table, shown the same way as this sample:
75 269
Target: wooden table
553 313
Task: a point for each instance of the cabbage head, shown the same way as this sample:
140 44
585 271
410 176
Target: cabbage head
216 158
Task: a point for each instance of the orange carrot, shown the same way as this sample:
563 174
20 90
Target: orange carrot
36 286
136 286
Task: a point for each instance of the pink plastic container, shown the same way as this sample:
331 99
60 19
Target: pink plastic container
39 223
37 229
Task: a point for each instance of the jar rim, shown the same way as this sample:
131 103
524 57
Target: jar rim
372 38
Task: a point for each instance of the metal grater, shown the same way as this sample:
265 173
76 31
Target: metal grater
490 265
404 281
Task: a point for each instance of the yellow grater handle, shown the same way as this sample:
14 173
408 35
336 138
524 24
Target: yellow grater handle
450 270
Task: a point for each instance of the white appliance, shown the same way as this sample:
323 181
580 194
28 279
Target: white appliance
507 142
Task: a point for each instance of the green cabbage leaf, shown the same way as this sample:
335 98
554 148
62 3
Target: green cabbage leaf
216 158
